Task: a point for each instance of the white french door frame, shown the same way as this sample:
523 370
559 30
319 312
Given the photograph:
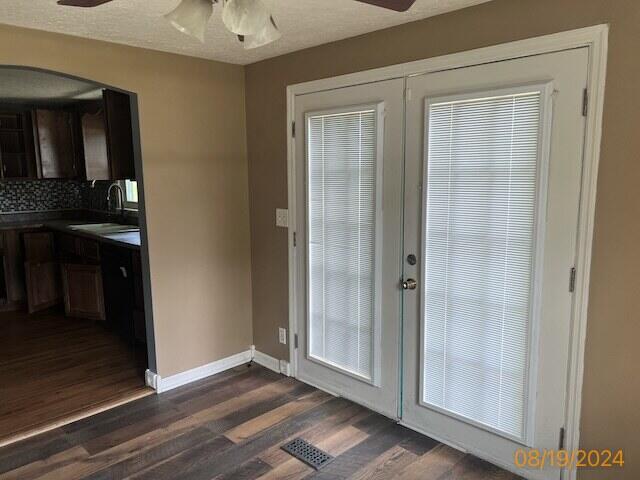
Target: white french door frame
595 38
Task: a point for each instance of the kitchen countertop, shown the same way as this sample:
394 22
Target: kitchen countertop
122 239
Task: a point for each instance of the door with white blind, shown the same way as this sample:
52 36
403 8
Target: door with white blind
349 216
492 181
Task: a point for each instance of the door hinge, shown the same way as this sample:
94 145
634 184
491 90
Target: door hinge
295 340
293 129
572 279
585 102
561 439
295 239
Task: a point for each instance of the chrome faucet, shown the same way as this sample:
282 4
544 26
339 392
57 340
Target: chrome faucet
120 197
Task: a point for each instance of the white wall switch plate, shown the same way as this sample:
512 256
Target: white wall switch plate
282 217
282 335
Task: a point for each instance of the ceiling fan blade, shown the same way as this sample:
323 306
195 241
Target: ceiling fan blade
397 5
82 3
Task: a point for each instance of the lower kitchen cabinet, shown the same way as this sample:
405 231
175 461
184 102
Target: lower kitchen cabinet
14 294
41 271
83 291
118 289
95 280
43 285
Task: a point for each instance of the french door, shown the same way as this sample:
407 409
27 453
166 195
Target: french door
493 174
349 172
436 235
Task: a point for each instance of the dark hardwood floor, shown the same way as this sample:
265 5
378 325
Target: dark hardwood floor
54 369
231 426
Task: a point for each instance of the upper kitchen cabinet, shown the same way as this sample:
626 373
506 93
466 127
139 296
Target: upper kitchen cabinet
108 138
55 144
16 145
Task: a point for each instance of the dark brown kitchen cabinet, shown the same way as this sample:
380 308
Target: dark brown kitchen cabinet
55 147
43 285
41 271
14 294
39 247
17 156
119 134
94 138
108 138
117 270
83 292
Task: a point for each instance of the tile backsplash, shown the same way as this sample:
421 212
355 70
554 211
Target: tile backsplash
39 195
22 196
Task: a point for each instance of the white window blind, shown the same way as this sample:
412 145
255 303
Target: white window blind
342 165
482 164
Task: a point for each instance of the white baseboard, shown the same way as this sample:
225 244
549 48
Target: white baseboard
151 379
267 361
161 384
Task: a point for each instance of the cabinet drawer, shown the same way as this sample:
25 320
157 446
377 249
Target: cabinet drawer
66 246
38 247
10 120
89 250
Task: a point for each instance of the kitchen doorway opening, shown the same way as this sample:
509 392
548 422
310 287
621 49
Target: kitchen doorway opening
76 325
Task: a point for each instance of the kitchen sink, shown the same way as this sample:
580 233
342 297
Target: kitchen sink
104 228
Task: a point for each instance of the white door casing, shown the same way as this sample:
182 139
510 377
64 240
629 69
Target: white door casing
595 39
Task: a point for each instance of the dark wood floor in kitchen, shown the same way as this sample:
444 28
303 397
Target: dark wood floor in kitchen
231 426
54 369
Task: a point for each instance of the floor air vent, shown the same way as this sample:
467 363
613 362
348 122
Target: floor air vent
303 450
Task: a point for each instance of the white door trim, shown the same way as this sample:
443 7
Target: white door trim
596 39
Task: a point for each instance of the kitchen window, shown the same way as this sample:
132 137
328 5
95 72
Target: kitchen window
130 188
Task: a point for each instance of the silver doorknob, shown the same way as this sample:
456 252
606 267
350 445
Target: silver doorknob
409 284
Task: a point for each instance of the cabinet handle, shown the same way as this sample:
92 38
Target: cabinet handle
124 271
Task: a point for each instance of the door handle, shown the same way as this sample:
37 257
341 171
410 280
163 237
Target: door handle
409 284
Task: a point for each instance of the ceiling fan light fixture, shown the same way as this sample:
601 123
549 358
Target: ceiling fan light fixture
191 17
245 17
268 34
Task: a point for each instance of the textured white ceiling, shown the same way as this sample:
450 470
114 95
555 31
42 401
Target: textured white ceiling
23 85
304 23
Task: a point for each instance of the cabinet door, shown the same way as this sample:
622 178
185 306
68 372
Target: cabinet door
13 166
83 293
14 273
119 135
118 289
94 136
16 145
38 247
67 248
56 152
43 285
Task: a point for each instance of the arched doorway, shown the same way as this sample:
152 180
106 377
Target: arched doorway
75 293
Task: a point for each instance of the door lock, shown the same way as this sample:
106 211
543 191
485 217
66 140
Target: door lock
409 284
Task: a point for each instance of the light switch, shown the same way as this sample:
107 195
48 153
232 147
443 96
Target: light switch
282 217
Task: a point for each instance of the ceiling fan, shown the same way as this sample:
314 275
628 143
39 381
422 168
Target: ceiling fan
250 20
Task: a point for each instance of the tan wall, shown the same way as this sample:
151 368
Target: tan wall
192 120
611 413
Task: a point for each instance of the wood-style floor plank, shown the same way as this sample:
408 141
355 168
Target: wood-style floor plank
231 427
53 368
